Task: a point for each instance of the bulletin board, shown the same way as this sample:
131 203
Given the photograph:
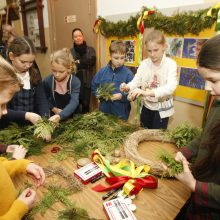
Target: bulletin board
132 50
191 85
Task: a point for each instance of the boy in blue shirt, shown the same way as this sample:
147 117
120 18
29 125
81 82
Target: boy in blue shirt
115 72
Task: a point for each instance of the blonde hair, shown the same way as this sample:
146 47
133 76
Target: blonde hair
65 58
117 46
8 76
155 36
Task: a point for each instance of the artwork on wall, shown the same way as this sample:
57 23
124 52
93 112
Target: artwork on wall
190 77
174 46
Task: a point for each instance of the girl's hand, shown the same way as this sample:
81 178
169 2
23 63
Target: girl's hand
117 96
37 172
179 156
55 119
19 152
56 110
32 117
28 197
11 148
124 87
186 176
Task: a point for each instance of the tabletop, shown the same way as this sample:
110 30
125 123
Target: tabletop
162 203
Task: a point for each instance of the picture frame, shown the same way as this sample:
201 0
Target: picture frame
33 24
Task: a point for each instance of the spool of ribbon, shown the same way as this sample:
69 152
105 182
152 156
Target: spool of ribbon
96 26
144 16
211 13
133 179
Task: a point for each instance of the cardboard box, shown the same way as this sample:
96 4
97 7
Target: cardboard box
117 209
88 172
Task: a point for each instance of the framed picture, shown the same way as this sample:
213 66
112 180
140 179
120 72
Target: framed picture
33 25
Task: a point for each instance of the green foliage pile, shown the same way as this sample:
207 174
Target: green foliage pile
182 134
105 91
85 133
174 167
77 137
15 134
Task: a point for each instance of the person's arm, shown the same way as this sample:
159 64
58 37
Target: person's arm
95 83
129 78
41 104
74 99
171 81
14 167
137 80
17 210
47 84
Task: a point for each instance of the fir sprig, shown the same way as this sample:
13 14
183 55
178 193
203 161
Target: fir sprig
182 134
105 91
174 167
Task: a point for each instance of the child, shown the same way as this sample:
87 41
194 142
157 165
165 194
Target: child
115 72
12 207
204 178
21 54
85 59
155 81
62 87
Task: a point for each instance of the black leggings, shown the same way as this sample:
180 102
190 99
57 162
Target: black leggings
151 119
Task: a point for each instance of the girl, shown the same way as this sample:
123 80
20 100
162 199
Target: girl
85 59
155 81
204 177
12 207
62 87
21 54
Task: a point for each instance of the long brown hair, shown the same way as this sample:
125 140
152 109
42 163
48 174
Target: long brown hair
8 76
23 45
207 166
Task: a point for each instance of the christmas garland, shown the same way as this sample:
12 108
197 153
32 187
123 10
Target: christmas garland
180 23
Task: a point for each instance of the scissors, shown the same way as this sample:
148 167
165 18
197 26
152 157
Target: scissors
55 149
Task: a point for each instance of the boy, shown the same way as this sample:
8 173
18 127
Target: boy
115 72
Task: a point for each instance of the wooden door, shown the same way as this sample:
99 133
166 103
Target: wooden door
65 15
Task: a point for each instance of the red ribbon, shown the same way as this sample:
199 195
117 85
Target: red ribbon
139 183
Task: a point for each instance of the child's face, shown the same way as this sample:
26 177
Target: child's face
59 71
212 78
23 62
117 59
155 51
5 96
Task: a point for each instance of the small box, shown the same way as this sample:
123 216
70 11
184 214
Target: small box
88 172
117 209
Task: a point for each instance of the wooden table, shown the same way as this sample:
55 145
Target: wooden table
162 203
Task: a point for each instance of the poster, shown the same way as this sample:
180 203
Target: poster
174 47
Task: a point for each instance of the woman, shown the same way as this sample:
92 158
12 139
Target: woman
85 59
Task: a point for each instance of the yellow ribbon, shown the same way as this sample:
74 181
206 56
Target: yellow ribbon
124 168
210 13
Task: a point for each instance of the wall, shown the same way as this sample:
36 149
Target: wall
184 112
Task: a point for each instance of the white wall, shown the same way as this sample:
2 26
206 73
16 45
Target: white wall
107 8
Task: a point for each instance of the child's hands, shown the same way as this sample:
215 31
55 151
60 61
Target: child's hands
179 156
124 87
117 96
32 117
186 176
19 152
37 172
28 197
56 110
55 119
